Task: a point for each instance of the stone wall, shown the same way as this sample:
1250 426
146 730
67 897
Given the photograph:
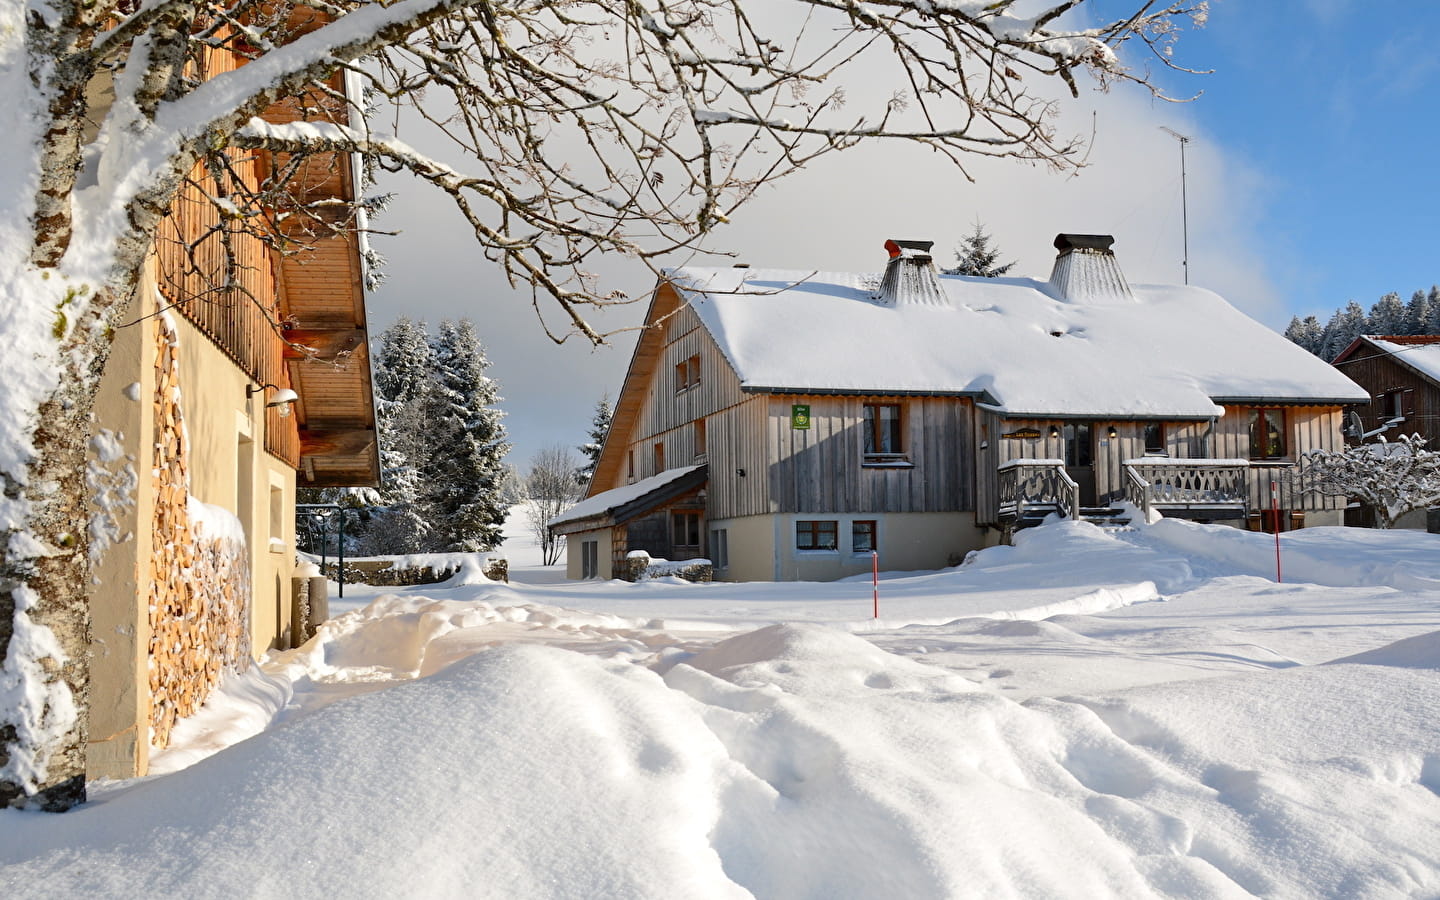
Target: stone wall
200 581
386 573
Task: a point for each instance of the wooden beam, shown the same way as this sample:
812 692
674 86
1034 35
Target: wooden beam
323 343
349 442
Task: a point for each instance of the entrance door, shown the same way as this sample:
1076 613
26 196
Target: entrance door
1079 438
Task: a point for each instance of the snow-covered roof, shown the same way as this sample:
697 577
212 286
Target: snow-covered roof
1418 353
608 501
1016 343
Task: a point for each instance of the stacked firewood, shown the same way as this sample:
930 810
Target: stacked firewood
199 585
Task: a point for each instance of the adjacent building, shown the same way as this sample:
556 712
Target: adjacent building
786 424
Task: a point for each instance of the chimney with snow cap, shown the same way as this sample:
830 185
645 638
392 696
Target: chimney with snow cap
910 276
1086 270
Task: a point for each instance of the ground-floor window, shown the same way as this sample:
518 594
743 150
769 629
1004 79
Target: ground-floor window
589 559
685 534
720 548
816 534
862 535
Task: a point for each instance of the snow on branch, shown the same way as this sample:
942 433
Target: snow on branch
1392 478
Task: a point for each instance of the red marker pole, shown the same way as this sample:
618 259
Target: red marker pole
1275 511
875 579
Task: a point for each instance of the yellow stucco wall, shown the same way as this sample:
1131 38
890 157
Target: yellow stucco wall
119 618
574 562
228 468
762 548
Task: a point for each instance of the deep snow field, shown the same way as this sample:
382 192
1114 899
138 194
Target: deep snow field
1083 715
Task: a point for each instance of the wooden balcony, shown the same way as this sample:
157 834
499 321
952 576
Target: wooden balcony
1206 489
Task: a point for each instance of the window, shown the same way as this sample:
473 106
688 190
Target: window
817 534
687 374
720 548
1155 438
862 536
630 465
589 559
882 431
1396 405
1267 433
659 458
685 531
277 519
699 438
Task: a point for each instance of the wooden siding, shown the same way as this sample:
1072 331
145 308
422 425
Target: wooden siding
734 443
820 469
1307 428
1380 373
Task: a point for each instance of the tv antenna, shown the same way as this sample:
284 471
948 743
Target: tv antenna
1184 202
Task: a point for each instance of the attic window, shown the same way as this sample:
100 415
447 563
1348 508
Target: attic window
687 374
1057 334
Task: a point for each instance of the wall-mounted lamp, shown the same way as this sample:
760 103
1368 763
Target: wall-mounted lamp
1054 431
281 399
740 472
1112 433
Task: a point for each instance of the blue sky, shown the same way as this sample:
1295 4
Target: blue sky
1337 106
1312 181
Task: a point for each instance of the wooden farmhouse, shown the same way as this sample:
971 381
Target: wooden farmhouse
785 424
215 406
1401 375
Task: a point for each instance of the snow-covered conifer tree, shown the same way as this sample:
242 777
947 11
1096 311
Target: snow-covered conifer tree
1417 314
1387 316
1343 328
976 257
576 129
599 428
462 474
1306 332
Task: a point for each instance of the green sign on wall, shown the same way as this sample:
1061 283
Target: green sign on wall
799 415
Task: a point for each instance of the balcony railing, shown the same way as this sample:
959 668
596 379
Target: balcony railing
1031 487
1194 488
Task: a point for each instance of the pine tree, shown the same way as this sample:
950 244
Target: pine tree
1417 314
599 428
1343 328
1387 316
1433 326
463 473
402 364
976 257
1305 332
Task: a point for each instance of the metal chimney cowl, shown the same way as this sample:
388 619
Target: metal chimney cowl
1086 270
910 278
